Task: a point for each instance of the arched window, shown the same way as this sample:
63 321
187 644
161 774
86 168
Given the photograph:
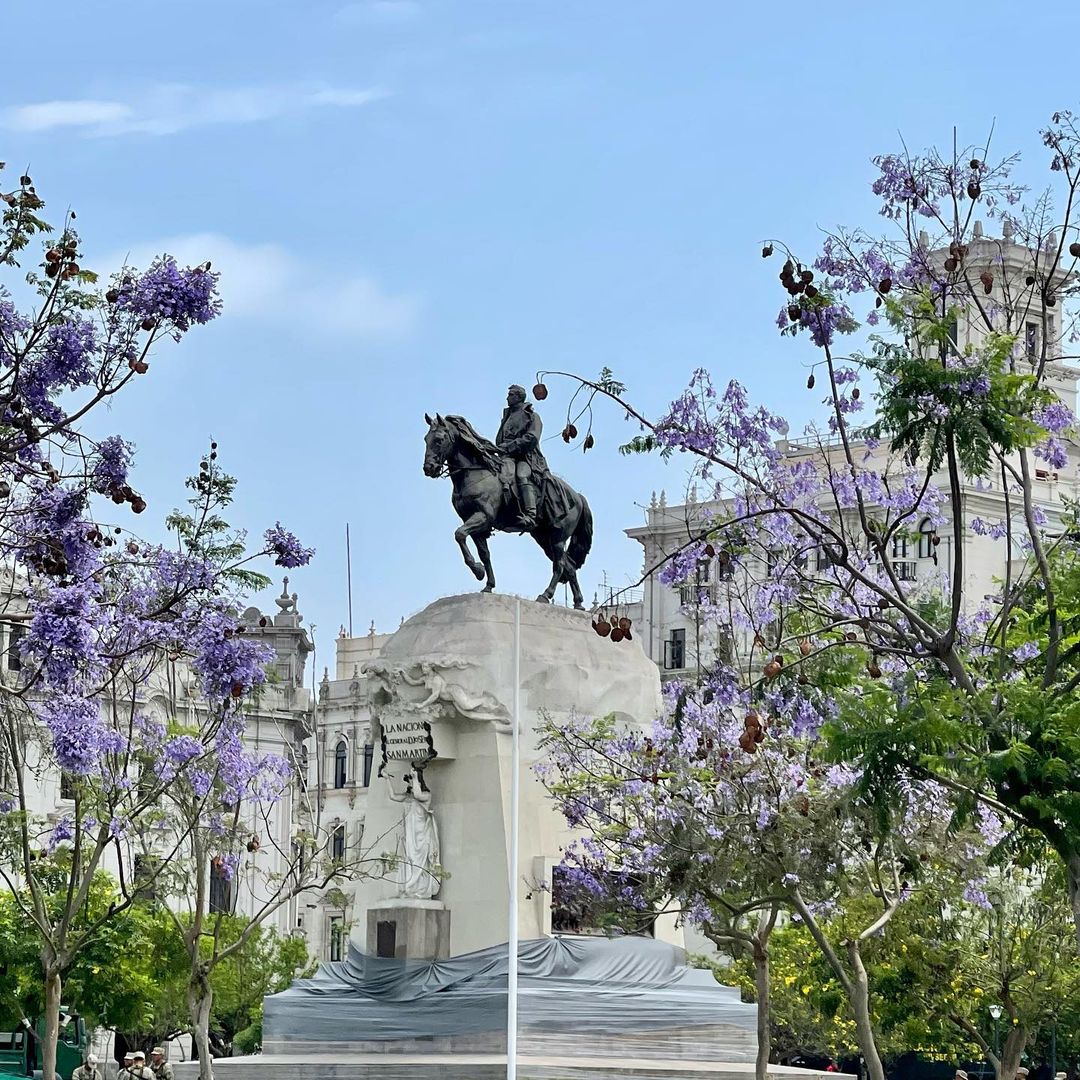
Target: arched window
341 764
926 538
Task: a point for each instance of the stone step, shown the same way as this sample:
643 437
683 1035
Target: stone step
483 1067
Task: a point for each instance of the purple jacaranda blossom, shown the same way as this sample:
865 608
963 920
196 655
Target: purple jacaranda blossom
976 386
229 865
286 549
113 460
182 748
996 530
54 534
66 360
1055 417
63 635
228 663
62 831
272 778
1028 651
975 893
80 736
1053 452
166 293
683 565
200 782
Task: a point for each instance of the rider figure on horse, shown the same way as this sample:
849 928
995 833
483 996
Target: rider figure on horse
519 439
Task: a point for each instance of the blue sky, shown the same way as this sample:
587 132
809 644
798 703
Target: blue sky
415 202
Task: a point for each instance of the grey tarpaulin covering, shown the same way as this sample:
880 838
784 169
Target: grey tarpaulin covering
614 985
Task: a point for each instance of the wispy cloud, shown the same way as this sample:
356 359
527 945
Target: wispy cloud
168 108
269 283
385 12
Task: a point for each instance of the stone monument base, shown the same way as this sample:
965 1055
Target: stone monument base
409 930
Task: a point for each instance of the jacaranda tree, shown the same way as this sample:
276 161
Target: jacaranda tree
953 690
92 611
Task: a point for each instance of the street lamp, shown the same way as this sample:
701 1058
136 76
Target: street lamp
995 1012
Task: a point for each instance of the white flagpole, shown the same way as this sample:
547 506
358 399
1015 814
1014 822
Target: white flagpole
515 768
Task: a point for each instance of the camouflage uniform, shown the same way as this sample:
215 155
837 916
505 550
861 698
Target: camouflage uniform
87 1072
162 1070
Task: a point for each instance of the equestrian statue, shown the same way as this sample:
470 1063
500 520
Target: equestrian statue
507 486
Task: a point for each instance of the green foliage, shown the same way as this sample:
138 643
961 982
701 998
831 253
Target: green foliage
609 384
943 961
265 964
924 401
115 978
204 533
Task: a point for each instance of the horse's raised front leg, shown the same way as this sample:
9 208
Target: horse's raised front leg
481 542
476 523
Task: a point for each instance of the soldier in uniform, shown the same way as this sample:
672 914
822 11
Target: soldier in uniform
519 438
125 1072
89 1071
159 1066
139 1070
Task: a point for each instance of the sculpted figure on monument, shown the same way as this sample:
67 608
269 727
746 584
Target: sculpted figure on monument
429 676
506 486
519 439
482 706
418 846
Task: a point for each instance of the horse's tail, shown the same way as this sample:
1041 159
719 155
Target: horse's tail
581 542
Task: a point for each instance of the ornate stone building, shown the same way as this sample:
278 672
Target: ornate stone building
669 621
279 719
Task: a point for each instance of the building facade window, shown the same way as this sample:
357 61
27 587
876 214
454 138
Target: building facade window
337 844
926 539
14 656
369 757
675 651
899 546
821 558
953 330
220 889
341 764
337 936
302 767
67 785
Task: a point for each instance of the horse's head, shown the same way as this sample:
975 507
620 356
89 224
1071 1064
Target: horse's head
439 441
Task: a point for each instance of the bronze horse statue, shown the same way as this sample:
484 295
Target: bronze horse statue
484 499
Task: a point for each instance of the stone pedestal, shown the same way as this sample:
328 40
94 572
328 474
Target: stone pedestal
441 696
422 996
409 930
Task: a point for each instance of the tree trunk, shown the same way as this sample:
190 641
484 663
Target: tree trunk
1072 870
1013 1047
761 986
53 989
860 1004
200 997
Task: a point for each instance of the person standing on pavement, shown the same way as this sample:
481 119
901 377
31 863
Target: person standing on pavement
126 1070
159 1066
140 1070
89 1071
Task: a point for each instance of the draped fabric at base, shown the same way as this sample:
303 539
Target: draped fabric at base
612 985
